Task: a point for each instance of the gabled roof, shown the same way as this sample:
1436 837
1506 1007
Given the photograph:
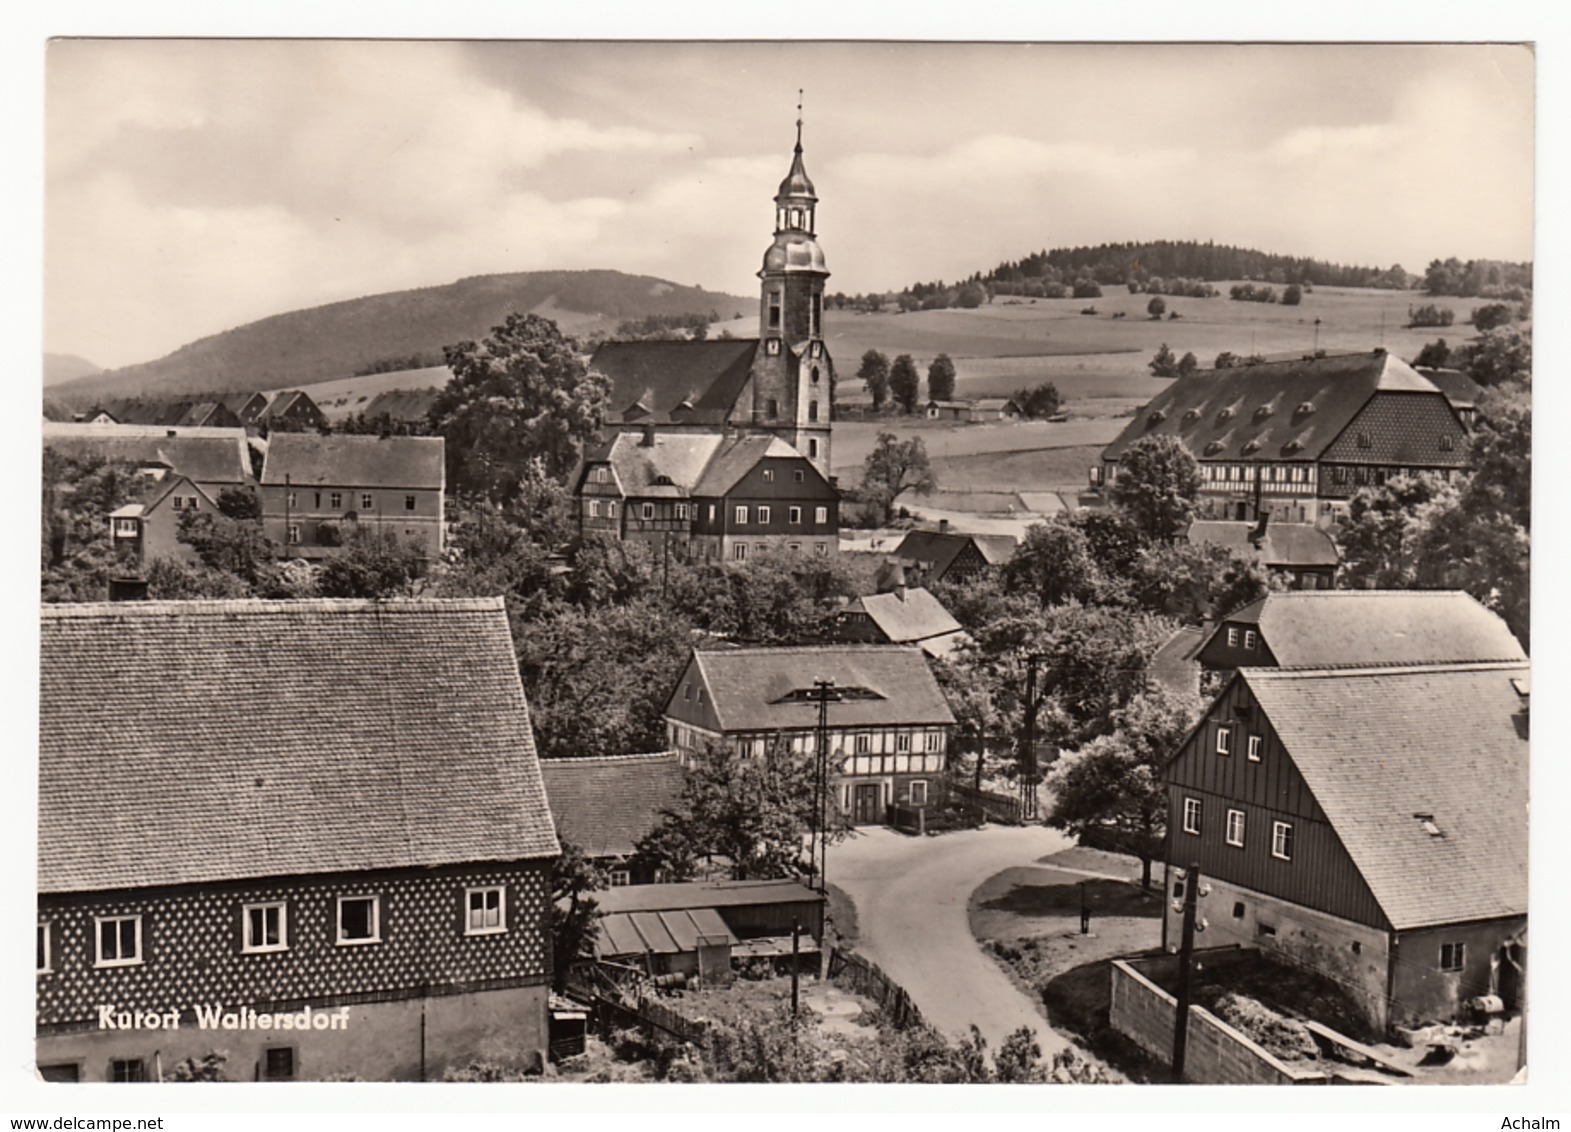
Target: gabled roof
908 618
1176 665
1378 747
703 894
994 404
679 457
661 375
355 461
1460 389
1285 546
166 487
758 689
403 404
195 742
1274 411
607 806
247 406
208 455
941 548
290 399
738 456
1321 628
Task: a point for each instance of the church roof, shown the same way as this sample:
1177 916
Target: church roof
797 183
676 381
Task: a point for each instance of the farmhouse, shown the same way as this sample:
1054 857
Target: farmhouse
403 406
327 809
775 385
887 730
214 459
292 411
150 527
316 489
1369 824
898 615
1297 439
1305 553
184 414
976 410
707 495
606 806
936 556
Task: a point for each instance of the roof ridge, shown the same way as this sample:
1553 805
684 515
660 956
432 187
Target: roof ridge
227 606
580 760
1394 668
754 650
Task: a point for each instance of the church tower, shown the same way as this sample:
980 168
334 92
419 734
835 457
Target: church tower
792 373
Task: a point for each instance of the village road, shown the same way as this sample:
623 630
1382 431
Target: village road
910 895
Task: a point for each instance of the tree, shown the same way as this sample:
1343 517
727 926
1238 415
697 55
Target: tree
1193 582
1110 793
574 912
1187 365
1157 484
971 296
77 555
375 563
1164 364
1157 307
1382 541
874 373
895 466
522 394
1501 356
941 379
1053 562
1434 355
1087 289
1293 295
239 503
1039 401
1491 315
1225 360
233 546
751 810
905 383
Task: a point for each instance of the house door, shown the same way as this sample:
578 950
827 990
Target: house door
865 809
1241 511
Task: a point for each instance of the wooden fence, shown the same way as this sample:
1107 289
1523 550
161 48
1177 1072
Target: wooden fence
865 977
994 807
619 1000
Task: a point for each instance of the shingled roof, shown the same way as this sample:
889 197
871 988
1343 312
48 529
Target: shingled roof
1321 628
1380 747
1285 545
751 688
1460 389
939 549
679 457
206 455
1275 411
606 806
737 457
702 379
909 617
403 404
355 461
193 742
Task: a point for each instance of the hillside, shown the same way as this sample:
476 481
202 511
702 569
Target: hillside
67 367
332 342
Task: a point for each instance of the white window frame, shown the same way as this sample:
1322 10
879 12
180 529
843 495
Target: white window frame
799 476
47 933
681 511
821 548
594 509
1250 640
646 511
293 534
934 741
1235 824
862 744
820 515
610 509
1192 813
1458 956
740 515
794 516
290 500
376 920
769 475
1224 739
739 552
500 927
335 500
367 501
248 945
916 785
903 742
98 941
1232 636
621 878
409 503
1252 751
1282 840
763 516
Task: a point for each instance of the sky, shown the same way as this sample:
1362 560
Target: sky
192 186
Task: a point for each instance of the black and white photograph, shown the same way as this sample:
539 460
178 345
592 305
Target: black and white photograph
697 562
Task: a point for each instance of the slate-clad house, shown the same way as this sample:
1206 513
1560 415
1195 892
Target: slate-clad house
706 495
1298 438
315 488
888 735
1305 553
1369 824
606 806
935 556
323 819
215 459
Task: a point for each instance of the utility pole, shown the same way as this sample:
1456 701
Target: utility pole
796 946
826 692
1028 766
1186 950
288 491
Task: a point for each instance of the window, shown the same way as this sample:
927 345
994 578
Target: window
485 910
796 548
289 500
279 1064
769 475
864 744
1265 930
1178 889
1235 828
294 533
1339 474
772 346
903 741
125 527
812 410
594 509
266 927
646 511
935 740
1358 948
127 1070
741 515
119 941
610 509
1363 440
1282 840
1447 444
818 320
179 503
1192 815
357 919
794 515
774 310
919 792
796 218
711 512
798 476
621 878
772 408
45 948
1250 639
1255 742
763 516
815 368
812 449
1360 475
820 515
597 475
681 511
317 500
1453 956
409 503
739 551
821 548
1238 909
335 500
366 502
1232 637
1224 740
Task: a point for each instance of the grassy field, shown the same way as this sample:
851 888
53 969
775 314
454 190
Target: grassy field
946 441
1039 469
350 395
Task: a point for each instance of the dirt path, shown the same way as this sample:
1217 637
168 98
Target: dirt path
911 896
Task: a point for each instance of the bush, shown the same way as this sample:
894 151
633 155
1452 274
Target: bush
1490 316
1087 289
1157 307
1293 295
1430 315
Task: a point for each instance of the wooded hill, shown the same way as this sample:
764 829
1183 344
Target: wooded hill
359 335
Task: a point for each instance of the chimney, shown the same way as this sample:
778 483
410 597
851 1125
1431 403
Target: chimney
1258 535
649 437
943 526
127 589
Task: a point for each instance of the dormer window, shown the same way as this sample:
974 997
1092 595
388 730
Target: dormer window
1447 443
1191 415
1225 415
1304 408
1263 412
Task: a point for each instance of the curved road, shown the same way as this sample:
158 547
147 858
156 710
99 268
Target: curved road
911 894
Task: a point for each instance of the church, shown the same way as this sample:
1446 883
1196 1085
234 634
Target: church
692 422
